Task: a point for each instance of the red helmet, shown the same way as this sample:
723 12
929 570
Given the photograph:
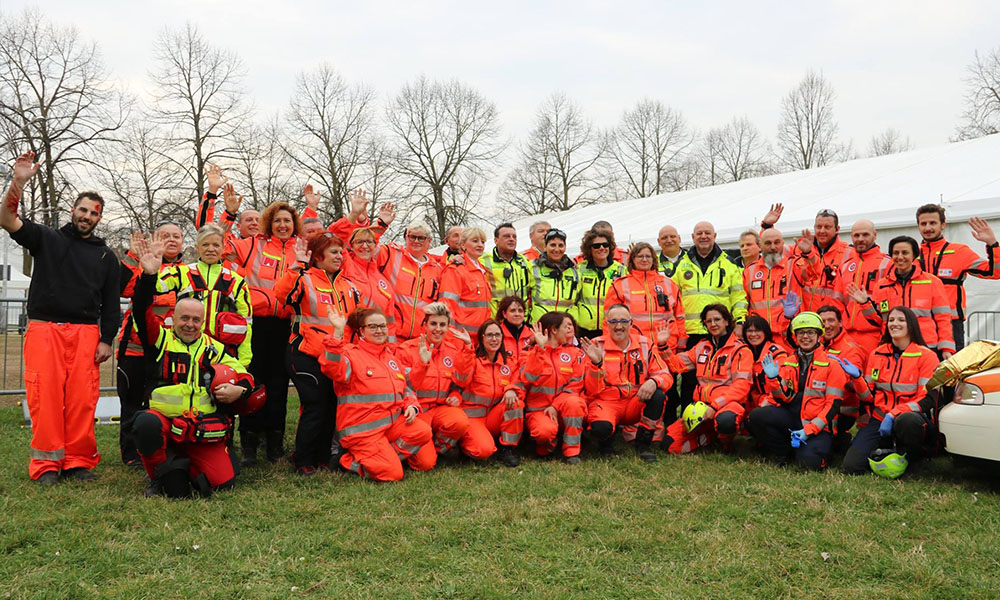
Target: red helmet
223 374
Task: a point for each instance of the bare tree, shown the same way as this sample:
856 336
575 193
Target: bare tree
329 123
445 134
648 146
807 131
199 96
734 152
981 115
55 99
889 141
260 171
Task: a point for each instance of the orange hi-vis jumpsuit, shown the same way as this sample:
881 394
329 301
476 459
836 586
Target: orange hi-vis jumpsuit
163 304
432 383
865 271
845 348
414 285
766 288
373 287
624 373
725 376
952 263
556 376
922 293
654 302
821 384
821 287
481 398
372 394
262 261
759 393
517 349
465 288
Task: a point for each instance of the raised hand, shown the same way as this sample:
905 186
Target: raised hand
302 253
982 231
231 198
312 197
425 351
593 351
25 168
856 294
150 256
772 216
806 242
214 178
358 200
387 213
541 340
338 321
135 239
770 367
462 335
790 304
663 336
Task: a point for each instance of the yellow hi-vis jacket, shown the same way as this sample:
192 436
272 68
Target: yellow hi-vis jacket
721 283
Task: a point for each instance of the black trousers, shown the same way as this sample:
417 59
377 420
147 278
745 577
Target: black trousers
771 427
269 345
958 332
317 421
132 395
909 432
688 380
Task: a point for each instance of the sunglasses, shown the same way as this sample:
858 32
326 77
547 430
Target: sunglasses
599 245
826 212
555 233
163 222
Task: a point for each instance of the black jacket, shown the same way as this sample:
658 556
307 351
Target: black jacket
74 280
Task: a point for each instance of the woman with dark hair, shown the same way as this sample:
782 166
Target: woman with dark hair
314 288
598 270
758 337
494 413
262 260
723 366
517 334
377 410
557 280
552 385
901 410
652 298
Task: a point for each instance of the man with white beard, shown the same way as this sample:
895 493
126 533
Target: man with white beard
773 286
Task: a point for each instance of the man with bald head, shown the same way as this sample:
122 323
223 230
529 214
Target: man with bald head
773 283
705 275
670 249
865 265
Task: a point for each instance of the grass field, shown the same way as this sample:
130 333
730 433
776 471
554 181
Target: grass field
704 526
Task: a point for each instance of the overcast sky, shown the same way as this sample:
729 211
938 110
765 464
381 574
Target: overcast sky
892 64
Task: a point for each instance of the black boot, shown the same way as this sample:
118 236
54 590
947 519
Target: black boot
643 444
607 447
508 456
275 445
249 441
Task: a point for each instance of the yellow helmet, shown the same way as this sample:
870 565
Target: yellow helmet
694 415
807 320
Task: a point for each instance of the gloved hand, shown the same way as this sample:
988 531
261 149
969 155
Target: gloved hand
770 367
791 304
849 367
799 438
885 429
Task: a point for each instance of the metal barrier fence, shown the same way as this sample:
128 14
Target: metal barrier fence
982 325
13 323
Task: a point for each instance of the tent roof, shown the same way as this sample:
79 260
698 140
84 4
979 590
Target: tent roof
963 176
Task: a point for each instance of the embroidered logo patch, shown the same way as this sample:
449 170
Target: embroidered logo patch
565 357
852 267
688 274
504 370
447 361
392 365
819 385
633 354
382 284
758 275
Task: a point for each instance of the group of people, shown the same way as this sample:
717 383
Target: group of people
399 356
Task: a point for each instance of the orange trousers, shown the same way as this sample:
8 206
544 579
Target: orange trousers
449 424
685 441
571 410
380 455
501 422
62 384
621 412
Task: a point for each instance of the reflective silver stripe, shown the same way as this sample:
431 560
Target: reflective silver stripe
923 380
470 398
742 376
365 398
37 454
818 422
427 393
532 409
311 320
574 379
921 312
812 393
571 440
449 296
849 410
896 387
765 304
405 449
365 427
475 412
512 414
686 361
356 467
573 421
835 392
473 303
444 443
735 288
530 378
510 439
705 292
913 406
541 389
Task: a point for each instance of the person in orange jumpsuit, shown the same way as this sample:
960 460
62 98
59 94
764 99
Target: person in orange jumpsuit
953 262
262 260
552 385
908 285
635 383
901 411
377 422
494 412
73 315
361 269
839 345
653 300
433 363
773 284
865 266
723 366
758 337
465 286
414 277
518 336
315 289
806 389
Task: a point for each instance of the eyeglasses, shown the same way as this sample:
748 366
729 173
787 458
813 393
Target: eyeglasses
364 242
417 238
492 335
619 321
599 245
377 327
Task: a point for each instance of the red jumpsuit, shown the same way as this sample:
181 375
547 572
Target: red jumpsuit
482 401
767 287
924 294
372 394
654 302
864 271
517 349
845 348
465 288
624 372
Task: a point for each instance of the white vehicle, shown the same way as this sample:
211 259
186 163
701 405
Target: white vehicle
971 423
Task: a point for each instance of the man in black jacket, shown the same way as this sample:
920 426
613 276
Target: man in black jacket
73 316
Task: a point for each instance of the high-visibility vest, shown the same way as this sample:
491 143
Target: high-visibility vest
667 266
414 285
553 370
626 370
556 289
863 271
844 348
654 303
370 384
720 283
595 283
924 294
767 287
952 263
432 381
820 288
485 383
465 288
507 278
820 383
129 343
723 373
314 297
898 383
262 261
179 367
373 287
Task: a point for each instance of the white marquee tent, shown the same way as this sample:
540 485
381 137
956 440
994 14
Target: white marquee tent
963 176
